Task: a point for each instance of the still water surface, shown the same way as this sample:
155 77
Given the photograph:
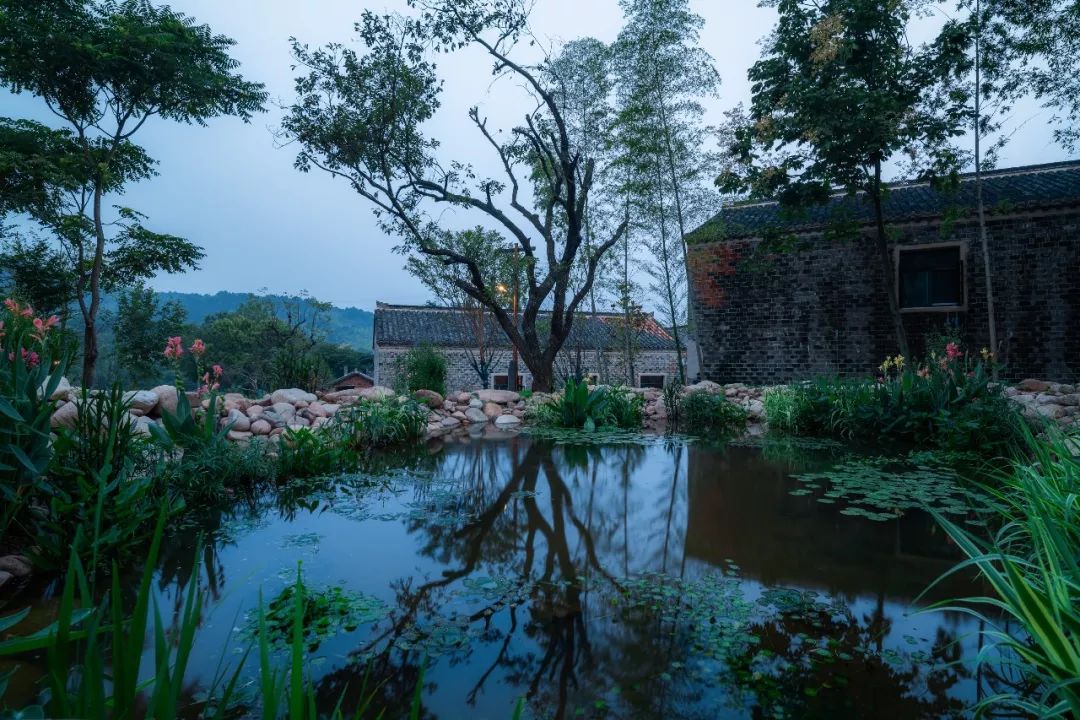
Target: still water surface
651 579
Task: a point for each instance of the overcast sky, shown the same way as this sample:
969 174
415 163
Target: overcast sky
231 189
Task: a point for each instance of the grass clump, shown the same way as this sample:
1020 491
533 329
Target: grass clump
950 402
709 413
1030 563
580 407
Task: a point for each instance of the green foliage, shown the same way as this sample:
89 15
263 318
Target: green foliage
884 488
199 461
379 423
1030 563
324 614
98 487
31 367
673 402
140 331
305 453
104 69
36 272
583 408
710 414
949 403
421 368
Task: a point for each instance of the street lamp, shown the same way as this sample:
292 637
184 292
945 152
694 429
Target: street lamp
512 377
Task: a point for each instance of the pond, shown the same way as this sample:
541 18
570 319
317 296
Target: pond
645 578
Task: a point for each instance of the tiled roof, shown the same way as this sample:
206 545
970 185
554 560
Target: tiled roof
1011 189
409 325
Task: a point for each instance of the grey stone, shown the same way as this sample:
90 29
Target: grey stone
451 421
141 402
291 396
475 415
498 396
17 565
505 421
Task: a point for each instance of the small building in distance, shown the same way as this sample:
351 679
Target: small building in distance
351 380
781 297
594 348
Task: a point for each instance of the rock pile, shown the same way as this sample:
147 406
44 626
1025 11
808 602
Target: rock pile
274 413
1057 402
502 408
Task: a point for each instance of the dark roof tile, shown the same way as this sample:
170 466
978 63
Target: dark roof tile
1030 187
409 325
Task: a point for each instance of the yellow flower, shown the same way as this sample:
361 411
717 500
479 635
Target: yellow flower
898 361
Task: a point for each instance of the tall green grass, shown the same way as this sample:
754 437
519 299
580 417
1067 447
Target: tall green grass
1032 563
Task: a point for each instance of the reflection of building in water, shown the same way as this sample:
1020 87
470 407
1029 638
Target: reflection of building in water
741 509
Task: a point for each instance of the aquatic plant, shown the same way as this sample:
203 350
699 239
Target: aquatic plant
379 423
324 613
1031 565
710 414
884 488
421 368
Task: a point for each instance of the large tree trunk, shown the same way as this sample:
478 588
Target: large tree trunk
887 266
90 346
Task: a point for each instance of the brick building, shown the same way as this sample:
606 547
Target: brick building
780 297
401 327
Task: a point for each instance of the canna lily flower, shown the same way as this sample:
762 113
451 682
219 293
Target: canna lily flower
197 348
953 351
174 348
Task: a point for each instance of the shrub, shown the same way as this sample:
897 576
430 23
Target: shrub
421 368
378 423
950 402
710 413
584 408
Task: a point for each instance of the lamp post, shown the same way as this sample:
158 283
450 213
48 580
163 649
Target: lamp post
512 376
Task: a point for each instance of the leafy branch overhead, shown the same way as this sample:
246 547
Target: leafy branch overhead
104 68
360 117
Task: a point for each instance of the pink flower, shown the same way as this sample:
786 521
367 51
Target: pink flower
197 348
924 372
12 306
217 371
953 351
31 359
174 348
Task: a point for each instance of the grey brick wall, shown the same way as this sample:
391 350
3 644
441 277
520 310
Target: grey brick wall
822 310
461 376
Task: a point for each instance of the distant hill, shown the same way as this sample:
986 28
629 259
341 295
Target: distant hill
347 326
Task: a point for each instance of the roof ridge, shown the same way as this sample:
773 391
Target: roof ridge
1036 169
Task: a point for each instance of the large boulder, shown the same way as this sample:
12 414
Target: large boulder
65 416
375 393
492 410
17 565
141 425
167 398
63 389
498 396
476 415
1032 385
291 396
238 421
507 421
235 401
704 386
450 422
261 427
283 409
429 397
141 402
